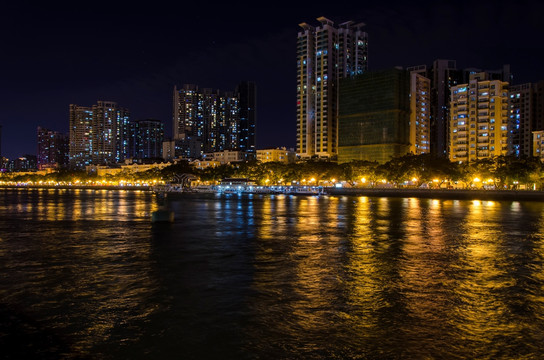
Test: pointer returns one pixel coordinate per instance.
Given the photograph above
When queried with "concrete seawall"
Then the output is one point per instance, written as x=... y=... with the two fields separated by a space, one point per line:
x=72 y=187
x=508 y=195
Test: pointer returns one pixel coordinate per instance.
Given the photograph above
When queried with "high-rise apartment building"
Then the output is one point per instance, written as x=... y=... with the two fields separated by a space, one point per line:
x=146 y=139
x=53 y=149
x=420 y=110
x=325 y=54
x=444 y=74
x=81 y=119
x=479 y=119
x=538 y=144
x=247 y=96
x=521 y=116
x=210 y=121
x=99 y=134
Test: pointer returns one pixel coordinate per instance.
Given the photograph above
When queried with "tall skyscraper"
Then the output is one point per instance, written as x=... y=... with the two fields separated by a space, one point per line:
x=81 y=119
x=374 y=119
x=53 y=149
x=443 y=74
x=99 y=135
x=248 y=116
x=479 y=119
x=325 y=54
x=211 y=121
x=521 y=114
x=146 y=139
x=420 y=110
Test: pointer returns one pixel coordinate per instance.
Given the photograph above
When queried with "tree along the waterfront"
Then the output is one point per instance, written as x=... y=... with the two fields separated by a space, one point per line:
x=501 y=172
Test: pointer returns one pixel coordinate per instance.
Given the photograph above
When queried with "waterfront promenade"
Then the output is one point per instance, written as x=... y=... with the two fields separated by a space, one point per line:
x=69 y=187
x=459 y=194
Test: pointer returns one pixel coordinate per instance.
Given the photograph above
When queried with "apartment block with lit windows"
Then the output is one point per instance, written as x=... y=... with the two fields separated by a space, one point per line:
x=146 y=139
x=479 y=119
x=521 y=118
x=282 y=155
x=420 y=110
x=206 y=120
x=325 y=54
x=52 y=149
x=538 y=144
x=99 y=134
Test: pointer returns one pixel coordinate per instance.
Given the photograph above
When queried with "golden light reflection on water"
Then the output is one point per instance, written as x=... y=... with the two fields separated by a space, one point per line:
x=429 y=268
x=93 y=278
x=387 y=278
x=78 y=204
x=484 y=274
x=308 y=241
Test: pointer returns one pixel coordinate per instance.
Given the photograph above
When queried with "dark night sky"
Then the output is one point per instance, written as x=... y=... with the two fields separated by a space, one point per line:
x=53 y=55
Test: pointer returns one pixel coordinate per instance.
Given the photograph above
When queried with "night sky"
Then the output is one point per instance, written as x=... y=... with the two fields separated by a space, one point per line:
x=80 y=52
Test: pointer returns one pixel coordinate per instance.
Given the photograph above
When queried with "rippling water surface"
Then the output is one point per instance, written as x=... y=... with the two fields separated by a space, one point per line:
x=86 y=275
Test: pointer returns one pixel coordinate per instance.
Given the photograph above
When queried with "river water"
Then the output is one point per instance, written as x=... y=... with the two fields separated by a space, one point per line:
x=86 y=275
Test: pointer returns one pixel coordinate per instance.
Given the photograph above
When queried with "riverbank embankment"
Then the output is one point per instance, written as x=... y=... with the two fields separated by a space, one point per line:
x=456 y=194
x=453 y=194
x=81 y=187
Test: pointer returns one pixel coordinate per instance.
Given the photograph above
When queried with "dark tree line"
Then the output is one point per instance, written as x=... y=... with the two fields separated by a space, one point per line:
x=501 y=172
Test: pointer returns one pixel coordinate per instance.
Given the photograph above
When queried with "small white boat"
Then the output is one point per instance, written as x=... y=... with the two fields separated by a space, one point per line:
x=203 y=189
x=304 y=190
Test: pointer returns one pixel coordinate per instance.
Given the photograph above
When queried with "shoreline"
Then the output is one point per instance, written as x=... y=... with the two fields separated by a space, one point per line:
x=450 y=194
x=78 y=187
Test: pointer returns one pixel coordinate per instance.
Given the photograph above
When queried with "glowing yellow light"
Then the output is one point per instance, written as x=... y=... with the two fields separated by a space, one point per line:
x=363 y=180
x=414 y=179
x=476 y=179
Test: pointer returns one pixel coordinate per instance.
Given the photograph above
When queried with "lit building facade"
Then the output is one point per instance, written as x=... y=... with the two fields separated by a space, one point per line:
x=538 y=144
x=146 y=140
x=53 y=149
x=226 y=156
x=99 y=134
x=479 y=119
x=325 y=54
x=23 y=163
x=521 y=119
x=214 y=120
x=420 y=110
x=282 y=155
